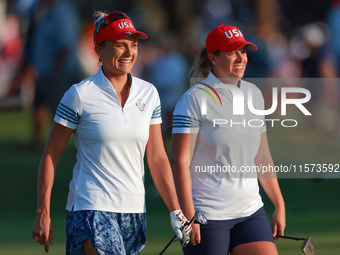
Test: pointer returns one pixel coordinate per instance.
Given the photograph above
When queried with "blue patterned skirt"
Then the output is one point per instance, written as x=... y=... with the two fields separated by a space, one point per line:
x=109 y=233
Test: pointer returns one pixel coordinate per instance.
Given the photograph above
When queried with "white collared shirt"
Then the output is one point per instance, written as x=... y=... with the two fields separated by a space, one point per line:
x=226 y=145
x=110 y=141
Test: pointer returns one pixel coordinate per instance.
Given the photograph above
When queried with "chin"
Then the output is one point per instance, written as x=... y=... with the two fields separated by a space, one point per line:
x=239 y=75
x=125 y=71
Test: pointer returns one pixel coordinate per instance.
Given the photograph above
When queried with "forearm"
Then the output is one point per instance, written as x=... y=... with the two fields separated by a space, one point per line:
x=268 y=179
x=162 y=176
x=272 y=189
x=183 y=186
x=45 y=183
x=270 y=184
x=182 y=150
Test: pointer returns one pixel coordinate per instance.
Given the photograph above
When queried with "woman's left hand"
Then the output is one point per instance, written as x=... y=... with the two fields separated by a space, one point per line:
x=279 y=223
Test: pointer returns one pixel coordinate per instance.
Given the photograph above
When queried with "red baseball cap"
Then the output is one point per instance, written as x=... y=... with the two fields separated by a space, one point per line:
x=226 y=38
x=113 y=29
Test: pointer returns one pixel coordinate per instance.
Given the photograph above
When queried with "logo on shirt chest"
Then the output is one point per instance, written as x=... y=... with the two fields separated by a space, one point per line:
x=140 y=105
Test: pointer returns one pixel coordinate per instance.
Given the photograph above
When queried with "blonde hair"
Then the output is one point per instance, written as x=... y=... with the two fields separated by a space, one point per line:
x=98 y=17
x=202 y=65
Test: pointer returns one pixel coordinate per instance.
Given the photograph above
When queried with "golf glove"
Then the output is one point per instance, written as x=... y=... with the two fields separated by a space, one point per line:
x=181 y=226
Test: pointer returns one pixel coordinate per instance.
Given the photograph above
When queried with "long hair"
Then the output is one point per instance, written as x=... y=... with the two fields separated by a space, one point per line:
x=201 y=65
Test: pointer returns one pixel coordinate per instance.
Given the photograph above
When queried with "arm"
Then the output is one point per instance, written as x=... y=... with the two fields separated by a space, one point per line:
x=181 y=158
x=160 y=168
x=42 y=230
x=271 y=186
x=162 y=176
x=182 y=150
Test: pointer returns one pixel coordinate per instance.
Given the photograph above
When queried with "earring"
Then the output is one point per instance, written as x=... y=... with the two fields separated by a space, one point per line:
x=100 y=62
x=214 y=63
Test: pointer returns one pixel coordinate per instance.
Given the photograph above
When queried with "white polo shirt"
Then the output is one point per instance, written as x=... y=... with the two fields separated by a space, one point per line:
x=110 y=142
x=226 y=146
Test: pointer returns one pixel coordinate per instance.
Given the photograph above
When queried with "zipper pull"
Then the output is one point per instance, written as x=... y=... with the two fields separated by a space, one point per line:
x=123 y=110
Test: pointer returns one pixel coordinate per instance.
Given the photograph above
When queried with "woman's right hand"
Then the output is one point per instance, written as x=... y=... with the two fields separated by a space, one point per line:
x=42 y=231
x=195 y=237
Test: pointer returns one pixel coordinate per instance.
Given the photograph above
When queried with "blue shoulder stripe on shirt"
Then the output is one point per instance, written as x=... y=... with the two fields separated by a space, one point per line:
x=66 y=118
x=157 y=112
x=175 y=122
x=62 y=114
x=184 y=126
x=155 y=116
x=69 y=110
x=66 y=113
x=183 y=118
x=182 y=121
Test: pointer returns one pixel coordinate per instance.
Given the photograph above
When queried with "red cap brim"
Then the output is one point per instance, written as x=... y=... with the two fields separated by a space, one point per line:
x=117 y=30
x=122 y=35
x=235 y=46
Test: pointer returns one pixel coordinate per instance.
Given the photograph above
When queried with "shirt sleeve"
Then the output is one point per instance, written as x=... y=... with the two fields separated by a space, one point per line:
x=68 y=111
x=186 y=116
x=156 y=114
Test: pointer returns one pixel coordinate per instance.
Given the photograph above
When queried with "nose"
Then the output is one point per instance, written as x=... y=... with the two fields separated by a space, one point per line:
x=128 y=51
x=240 y=56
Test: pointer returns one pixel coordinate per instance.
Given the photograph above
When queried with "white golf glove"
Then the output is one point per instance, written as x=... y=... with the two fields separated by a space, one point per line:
x=181 y=226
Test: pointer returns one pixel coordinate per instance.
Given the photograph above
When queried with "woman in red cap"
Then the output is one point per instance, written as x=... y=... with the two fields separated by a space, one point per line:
x=218 y=156
x=115 y=119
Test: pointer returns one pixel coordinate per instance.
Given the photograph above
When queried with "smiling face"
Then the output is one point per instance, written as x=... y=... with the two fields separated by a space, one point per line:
x=118 y=57
x=230 y=65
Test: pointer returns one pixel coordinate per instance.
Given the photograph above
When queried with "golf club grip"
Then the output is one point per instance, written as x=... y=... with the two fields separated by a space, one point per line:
x=166 y=247
x=186 y=224
x=292 y=238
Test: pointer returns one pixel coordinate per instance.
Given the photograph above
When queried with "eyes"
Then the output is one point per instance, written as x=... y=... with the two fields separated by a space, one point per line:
x=234 y=53
x=125 y=45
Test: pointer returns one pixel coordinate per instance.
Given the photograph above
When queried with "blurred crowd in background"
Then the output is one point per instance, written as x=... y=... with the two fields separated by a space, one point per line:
x=50 y=42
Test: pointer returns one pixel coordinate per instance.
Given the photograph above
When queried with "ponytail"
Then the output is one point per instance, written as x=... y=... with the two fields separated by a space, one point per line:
x=201 y=66
x=99 y=20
